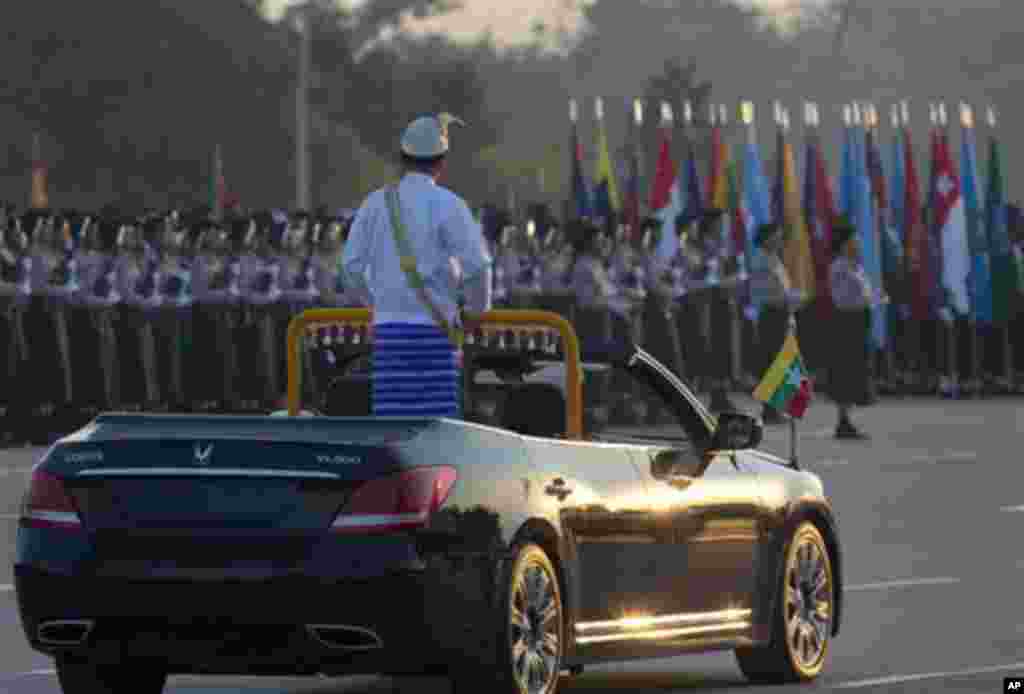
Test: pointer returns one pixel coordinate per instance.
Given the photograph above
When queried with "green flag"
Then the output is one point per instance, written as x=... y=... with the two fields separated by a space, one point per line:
x=1005 y=273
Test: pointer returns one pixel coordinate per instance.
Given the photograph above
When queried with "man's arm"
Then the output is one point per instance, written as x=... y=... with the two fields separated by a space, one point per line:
x=355 y=257
x=465 y=241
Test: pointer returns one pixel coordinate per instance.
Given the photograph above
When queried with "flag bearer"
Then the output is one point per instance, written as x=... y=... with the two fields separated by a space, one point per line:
x=850 y=350
x=771 y=291
x=400 y=250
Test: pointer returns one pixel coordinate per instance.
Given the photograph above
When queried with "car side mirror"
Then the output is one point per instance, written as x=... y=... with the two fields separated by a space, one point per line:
x=737 y=431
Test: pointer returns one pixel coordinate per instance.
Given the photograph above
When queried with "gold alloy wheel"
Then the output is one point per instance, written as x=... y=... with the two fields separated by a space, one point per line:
x=808 y=602
x=535 y=624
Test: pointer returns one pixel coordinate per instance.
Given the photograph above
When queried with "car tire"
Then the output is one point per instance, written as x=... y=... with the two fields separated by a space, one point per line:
x=801 y=632
x=530 y=628
x=77 y=677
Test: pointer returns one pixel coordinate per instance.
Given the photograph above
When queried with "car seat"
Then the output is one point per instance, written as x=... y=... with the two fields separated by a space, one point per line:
x=535 y=409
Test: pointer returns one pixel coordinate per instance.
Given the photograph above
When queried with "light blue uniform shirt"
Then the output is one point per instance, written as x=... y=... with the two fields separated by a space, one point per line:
x=448 y=244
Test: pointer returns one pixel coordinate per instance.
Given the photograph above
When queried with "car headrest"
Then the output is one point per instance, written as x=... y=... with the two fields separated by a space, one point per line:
x=535 y=409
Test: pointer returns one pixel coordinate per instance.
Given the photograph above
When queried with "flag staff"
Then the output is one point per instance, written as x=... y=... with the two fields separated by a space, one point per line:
x=1008 y=365
x=794 y=438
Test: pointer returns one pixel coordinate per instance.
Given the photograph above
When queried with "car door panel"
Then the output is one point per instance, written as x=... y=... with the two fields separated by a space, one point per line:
x=707 y=564
x=604 y=519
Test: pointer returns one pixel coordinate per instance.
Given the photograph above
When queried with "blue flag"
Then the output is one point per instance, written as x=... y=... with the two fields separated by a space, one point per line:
x=980 y=279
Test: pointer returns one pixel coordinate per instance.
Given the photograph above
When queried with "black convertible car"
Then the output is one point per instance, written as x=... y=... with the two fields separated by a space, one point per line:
x=503 y=554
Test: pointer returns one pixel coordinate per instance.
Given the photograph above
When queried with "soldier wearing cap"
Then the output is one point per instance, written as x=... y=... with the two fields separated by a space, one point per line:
x=851 y=356
x=400 y=253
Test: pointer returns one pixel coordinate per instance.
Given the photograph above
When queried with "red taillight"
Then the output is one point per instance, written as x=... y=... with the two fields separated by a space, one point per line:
x=47 y=504
x=403 y=501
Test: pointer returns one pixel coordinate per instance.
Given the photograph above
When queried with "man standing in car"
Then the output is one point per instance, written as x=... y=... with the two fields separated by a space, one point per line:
x=411 y=246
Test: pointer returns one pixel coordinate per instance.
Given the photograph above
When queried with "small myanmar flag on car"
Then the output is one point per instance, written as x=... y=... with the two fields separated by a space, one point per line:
x=786 y=387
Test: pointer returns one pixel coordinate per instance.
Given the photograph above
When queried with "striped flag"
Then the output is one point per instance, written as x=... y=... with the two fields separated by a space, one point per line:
x=606 y=190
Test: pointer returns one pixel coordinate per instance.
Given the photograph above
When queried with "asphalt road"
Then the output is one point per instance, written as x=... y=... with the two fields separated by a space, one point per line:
x=931 y=512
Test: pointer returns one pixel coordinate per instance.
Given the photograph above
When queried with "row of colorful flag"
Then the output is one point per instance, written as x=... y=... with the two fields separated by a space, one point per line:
x=940 y=251
x=219 y=197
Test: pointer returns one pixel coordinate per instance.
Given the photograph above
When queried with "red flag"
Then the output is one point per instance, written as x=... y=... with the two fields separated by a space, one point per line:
x=914 y=235
x=664 y=174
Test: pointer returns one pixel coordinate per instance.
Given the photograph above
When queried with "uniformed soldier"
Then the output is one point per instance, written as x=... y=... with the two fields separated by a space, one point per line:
x=660 y=319
x=216 y=290
x=138 y=276
x=264 y=296
x=852 y=296
x=15 y=295
x=719 y=309
x=100 y=299
x=54 y=283
x=400 y=250
x=175 y=283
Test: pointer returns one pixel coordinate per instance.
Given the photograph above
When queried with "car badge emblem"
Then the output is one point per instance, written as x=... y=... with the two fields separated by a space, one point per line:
x=203 y=455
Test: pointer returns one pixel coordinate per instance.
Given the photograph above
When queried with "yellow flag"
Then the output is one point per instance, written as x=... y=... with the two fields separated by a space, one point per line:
x=797 y=252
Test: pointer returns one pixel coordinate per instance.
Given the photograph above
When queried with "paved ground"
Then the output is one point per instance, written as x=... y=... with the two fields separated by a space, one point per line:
x=932 y=520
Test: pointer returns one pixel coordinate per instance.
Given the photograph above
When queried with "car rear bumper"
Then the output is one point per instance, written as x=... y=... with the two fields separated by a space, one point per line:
x=414 y=621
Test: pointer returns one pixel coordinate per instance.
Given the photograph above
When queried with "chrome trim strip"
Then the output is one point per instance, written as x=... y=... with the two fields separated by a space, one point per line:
x=204 y=472
x=627 y=623
x=653 y=634
x=368 y=520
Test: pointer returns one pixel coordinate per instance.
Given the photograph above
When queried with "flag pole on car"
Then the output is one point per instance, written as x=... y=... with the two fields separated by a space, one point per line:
x=786 y=387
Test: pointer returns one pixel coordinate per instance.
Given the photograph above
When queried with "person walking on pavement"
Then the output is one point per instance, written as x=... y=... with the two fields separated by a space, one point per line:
x=850 y=352
x=400 y=255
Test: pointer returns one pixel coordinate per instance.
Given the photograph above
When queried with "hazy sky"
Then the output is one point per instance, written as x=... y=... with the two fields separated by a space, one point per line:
x=510 y=20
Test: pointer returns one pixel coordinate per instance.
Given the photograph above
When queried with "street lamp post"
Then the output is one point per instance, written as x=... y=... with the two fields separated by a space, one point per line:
x=302 y=169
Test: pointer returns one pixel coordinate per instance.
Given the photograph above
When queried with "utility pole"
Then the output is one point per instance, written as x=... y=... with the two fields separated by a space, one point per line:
x=302 y=126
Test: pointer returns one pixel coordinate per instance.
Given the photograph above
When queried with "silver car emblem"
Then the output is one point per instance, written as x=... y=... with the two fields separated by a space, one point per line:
x=203 y=456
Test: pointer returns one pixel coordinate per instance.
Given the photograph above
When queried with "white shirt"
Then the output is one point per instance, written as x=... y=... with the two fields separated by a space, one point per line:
x=441 y=229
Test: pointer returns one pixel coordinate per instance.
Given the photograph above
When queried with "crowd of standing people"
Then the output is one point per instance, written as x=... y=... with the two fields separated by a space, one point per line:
x=184 y=312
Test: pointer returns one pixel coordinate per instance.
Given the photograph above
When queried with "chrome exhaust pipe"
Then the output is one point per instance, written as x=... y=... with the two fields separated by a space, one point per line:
x=344 y=637
x=65 y=632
